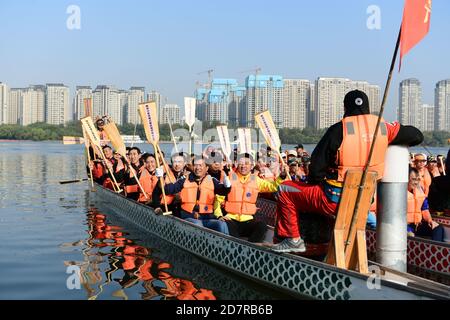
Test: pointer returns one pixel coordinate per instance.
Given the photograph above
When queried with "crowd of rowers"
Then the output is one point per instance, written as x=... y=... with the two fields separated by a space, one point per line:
x=221 y=194
x=206 y=190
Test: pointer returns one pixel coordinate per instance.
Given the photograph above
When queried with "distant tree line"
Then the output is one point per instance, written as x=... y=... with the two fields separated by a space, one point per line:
x=44 y=131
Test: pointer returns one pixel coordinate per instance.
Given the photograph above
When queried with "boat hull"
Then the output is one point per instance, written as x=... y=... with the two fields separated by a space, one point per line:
x=297 y=276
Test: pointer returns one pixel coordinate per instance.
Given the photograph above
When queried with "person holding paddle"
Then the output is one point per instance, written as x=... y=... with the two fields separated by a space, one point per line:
x=239 y=206
x=102 y=171
x=197 y=193
x=344 y=146
x=131 y=184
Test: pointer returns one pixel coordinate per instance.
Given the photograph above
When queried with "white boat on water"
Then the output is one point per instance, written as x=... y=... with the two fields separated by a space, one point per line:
x=132 y=139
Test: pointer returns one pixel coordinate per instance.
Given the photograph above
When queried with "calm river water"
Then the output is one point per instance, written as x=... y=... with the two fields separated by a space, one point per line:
x=49 y=230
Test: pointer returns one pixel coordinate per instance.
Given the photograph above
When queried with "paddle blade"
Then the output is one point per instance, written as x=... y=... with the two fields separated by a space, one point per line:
x=245 y=140
x=189 y=109
x=115 y=138
x=149 y=118
x=91 y=130
x=224 y=138
x=268 y=129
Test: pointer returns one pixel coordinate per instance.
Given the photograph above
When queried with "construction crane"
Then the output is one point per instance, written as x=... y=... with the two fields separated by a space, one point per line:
x=210 y=72
x=256 y=70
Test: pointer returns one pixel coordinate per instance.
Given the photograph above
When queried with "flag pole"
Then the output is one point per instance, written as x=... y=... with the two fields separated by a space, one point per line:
x=372 y=146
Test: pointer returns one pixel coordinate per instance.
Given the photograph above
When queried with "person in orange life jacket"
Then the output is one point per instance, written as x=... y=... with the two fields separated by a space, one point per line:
x=131 y=186
x=102 y=170
x=240 y=203
x=419 y=218
x=420 y=163
x=197 y=194
x=177 y=170
x=147 y=177
x=345 y=145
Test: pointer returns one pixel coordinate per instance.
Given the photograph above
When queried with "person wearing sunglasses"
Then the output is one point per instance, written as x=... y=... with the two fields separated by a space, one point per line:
x=420 y=163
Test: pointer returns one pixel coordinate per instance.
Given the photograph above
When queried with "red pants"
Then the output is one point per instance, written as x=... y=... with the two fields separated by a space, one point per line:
x=295 y=197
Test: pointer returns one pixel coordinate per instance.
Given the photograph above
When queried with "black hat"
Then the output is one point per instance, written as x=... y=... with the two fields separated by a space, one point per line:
x=356 y=102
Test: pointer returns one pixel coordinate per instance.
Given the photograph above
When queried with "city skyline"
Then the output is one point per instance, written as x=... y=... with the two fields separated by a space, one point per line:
x=294 y=103
x=174 y=48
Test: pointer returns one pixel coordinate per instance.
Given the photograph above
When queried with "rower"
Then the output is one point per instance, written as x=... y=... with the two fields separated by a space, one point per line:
x=419 y=218
x=197 y=194
x=240 y=204
x=344 y=146
x=102 y=171
x=420 y=163
x=147 y=177
x=172 y=174
x=215 y=165
x=131 y=185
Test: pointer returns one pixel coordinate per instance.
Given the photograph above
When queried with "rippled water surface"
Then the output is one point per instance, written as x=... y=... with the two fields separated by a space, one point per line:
x=47 y=229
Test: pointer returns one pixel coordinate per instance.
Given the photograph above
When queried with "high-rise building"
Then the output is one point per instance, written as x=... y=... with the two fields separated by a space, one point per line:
x=264 y=92
x=136 y=95
x=123 y=104
x=156 y=97
x=329 y=100
x=15 y=105
x=427 y=117
x=372 y=92
x=329 y=94
x=170 y=112
x=219 y=99
x=33 y=105
x=410 y=102
x=296 y=97
x=442 y=105
x=57 y=110
x=201 y=104
x=82 y=93
x=106 y=101
x=311 y=113
x=4 y=103
x=237 y=106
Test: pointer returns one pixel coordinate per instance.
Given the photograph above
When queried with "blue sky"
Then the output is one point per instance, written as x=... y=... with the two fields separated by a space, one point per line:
x=162 y=45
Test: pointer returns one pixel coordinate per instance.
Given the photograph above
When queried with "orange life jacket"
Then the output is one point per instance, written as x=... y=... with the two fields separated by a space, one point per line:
x=357 y=138
x=148 y=183
x=415 y=202
x=205 y=201
x=242 y=197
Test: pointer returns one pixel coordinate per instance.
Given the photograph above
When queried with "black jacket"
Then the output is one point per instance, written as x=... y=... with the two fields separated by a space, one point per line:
x=324 y=155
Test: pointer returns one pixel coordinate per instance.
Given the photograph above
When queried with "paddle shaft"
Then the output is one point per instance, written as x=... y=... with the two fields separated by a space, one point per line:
x=190 y=141
x=136 y=178
x=173 y=137
x=109 y=171
x=372 y=146
x=442 y=165
x=161 y=179
x=283 y=164
x=166 y=166
x=89 y=159
x=73 y=181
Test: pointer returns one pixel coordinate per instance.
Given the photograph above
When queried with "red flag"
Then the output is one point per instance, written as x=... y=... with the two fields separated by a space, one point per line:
x=415 y=24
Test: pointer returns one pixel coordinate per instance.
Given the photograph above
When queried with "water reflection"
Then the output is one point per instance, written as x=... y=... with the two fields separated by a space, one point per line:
x=129 y=265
